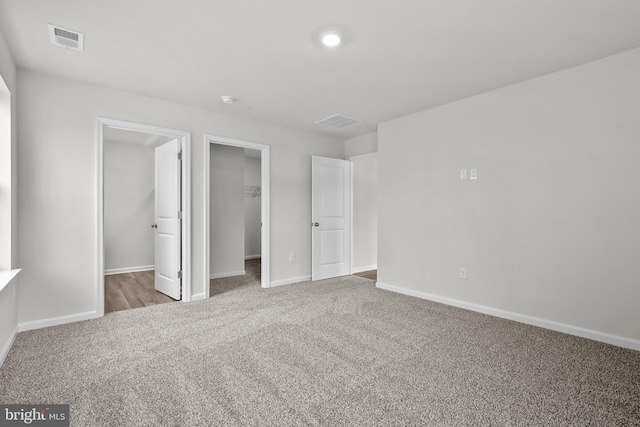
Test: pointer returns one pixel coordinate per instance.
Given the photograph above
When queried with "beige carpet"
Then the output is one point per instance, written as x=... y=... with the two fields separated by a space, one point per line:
x=335 y=352
x=251 y=280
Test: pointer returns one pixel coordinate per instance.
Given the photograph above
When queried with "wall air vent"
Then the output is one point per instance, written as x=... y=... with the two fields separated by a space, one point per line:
x=66 y=38
x=337 y=121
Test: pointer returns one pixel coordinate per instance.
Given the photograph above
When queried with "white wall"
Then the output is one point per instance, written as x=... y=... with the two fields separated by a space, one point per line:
x=365 y=212
x=227 y=210
x=550 y=229
x=8 y=199
x=252 y=209
x=363 y=144
x=57 y=120
x=129 y=189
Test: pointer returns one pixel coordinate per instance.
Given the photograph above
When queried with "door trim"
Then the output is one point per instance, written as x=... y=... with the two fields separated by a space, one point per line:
x=264 y=204
x=185 y=138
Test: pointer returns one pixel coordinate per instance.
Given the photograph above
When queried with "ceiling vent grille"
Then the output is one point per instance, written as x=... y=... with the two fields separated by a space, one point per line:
x=337 y=121
x=66 y=38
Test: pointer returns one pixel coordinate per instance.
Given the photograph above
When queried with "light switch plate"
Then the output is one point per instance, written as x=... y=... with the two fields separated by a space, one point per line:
x=463 y=174
x=473 y=174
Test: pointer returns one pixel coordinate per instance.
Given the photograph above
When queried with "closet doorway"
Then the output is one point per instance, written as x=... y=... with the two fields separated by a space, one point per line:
x=237 y=214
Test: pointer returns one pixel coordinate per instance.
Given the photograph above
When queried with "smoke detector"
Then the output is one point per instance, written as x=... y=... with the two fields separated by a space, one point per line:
x=227 y=99
x=66 y=38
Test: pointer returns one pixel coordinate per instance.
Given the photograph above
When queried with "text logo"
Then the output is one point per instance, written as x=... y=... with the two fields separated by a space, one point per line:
x=34 y=415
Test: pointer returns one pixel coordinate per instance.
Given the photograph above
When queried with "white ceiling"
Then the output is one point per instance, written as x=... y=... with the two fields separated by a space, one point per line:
x=402 y=56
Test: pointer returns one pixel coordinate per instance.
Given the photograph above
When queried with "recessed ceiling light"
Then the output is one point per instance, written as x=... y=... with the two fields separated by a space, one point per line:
x=331 y=39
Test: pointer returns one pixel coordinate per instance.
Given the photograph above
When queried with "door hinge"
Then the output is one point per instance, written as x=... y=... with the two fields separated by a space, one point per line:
x=180 y=274
x=180 y=155
x=180 y=215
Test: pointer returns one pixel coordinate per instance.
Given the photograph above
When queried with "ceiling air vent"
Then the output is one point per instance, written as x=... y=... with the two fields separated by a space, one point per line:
x=338 y=121
x=66 y=38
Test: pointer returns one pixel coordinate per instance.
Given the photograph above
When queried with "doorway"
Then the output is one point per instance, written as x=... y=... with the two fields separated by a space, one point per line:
x=365 y=215
x=130 y=186
x=237 y=198
x=129 y=212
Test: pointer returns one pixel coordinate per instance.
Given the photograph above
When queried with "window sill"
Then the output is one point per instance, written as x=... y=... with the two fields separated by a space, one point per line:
x=7 y=276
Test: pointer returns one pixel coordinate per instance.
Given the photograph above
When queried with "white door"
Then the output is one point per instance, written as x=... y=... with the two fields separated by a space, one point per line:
x=331 y=218
x=167 y=220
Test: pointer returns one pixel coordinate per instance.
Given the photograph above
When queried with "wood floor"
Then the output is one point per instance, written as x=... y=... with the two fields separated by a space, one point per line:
x=131 y=290
x=371 y=274
x=135 y=290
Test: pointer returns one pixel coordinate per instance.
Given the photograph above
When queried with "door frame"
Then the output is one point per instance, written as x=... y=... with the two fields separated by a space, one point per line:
x=185 y=141
x=264 y=204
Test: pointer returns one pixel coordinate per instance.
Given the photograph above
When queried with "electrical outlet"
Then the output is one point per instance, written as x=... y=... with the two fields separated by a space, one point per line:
x=292 y=257
x=473 y=174
x=463 y=273
x=463 y=174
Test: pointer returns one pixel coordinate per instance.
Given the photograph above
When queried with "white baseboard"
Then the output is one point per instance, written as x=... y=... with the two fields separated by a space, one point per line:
x=629 y=343
x=228 y=274
x=55 y=321
x=197 y=297
x=289 y=281
x=365 y=268
x=5 y=350
x=129 y=269
x=252 y=256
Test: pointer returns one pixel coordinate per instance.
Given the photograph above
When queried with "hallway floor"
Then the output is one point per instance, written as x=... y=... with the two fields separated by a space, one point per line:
x=131 y=290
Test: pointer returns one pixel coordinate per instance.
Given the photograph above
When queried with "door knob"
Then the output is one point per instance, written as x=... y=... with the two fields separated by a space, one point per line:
x=154 y=225
x=315 y=224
